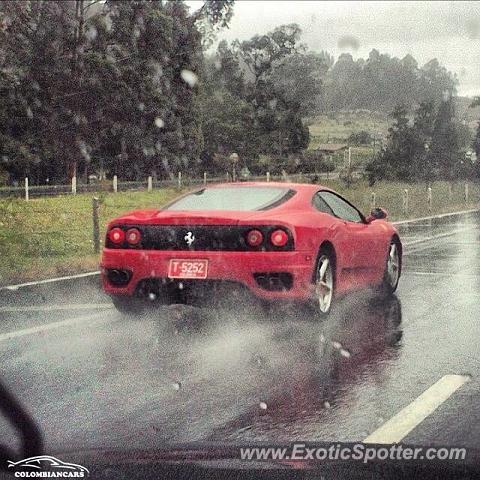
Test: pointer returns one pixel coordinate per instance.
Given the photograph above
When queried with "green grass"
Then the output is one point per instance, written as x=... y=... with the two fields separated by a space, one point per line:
x=337 y=128
x=53 y=236
x=46 y=237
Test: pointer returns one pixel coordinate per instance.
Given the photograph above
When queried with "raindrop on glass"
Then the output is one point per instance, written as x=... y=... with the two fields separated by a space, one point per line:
x=91 y=33
x=189 y=77
x=152 y=296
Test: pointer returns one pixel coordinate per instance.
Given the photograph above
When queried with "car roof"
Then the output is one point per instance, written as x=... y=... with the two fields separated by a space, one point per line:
x=304 y=187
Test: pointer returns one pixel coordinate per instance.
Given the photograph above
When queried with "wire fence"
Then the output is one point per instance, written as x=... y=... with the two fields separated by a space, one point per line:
x=27 y=190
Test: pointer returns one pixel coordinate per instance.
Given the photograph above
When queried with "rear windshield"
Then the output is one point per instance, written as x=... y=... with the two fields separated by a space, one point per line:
x=233 y=198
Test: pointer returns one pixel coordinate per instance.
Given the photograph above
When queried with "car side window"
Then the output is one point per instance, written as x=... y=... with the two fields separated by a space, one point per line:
x=340 y=207
x=320 y=204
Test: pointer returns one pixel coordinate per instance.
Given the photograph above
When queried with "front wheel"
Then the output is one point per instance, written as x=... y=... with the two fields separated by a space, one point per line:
x=324 y=283
x=393 y=268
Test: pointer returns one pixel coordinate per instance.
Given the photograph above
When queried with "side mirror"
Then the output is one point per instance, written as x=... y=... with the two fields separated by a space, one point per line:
x=377 y=214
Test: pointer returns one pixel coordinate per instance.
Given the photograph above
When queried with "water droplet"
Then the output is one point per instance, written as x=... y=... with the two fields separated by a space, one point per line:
x=159 y=123
x=91 y=33
x=263 y=405
x=189 y=77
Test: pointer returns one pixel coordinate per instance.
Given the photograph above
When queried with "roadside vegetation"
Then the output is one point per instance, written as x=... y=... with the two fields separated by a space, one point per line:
x=48 y=237
x=92 y=89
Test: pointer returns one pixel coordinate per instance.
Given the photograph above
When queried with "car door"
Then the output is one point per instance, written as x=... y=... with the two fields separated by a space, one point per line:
x=356 y=240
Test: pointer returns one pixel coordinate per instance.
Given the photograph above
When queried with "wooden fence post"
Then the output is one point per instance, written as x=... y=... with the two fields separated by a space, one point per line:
x=149 y=184
x=429 y=199
x=268 y=176
x=115 y=184
x=179 y=180
x=204 y=178
x=74 y=185
x=405 y=201
x=95 y=224
x=26 y=189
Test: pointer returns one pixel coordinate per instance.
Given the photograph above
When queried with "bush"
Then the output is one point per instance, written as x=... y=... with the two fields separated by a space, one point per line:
x=360 y=138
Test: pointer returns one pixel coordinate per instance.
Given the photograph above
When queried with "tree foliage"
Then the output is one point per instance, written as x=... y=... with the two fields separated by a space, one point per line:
x=426 y=147
x=127 y=88
x=110 y=85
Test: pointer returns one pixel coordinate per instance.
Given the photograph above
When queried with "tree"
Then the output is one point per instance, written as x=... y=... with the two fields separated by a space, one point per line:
x=476 y=141
x=423 y=127
x=88 y=84
x=395 y=161
x=256 y=93
x=445 y=151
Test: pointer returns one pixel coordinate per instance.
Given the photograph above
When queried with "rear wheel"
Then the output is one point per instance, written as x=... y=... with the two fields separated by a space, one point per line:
x=129 y=306
x=393 y=268
x=324 y=282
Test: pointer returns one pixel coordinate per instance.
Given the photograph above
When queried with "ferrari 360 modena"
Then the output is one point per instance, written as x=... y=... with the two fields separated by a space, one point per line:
x=279 y=241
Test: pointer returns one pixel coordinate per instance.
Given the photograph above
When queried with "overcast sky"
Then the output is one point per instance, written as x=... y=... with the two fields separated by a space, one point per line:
x=449 y=31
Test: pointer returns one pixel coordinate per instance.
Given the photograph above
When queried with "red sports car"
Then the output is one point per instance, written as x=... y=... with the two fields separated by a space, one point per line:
x=279 y=240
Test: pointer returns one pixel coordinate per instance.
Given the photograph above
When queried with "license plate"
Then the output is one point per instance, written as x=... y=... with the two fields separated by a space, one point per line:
x=187 y=268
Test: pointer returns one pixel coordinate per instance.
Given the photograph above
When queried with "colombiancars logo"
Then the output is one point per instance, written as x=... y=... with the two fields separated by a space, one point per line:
x=189 y=238
x=45 y=466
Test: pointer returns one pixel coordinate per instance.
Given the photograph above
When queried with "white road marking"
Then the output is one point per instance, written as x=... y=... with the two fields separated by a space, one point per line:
x=400 y=425
x=435 y=237
x=441 y=274
x=50 y=280
x=441 y=215
x=53 y=308
x=51 y=326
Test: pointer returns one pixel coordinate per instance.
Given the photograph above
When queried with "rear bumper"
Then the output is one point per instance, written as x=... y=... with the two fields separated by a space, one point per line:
x=239 y=267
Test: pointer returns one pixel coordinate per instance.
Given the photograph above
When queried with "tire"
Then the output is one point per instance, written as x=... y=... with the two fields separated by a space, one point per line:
x=128 y=306
x=324 y=281
x=393 y=268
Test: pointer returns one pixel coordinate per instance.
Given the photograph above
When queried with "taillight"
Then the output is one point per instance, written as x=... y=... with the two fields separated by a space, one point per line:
x=133 y=236
x=254 y=238
x=279 y=238
x=116 y=235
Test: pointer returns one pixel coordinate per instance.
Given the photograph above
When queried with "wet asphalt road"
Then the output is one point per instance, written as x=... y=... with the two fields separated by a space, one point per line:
x=101 y=380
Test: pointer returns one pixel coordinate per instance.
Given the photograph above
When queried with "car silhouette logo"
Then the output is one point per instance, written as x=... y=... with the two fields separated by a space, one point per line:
x=189 y=238
x=46 y=462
